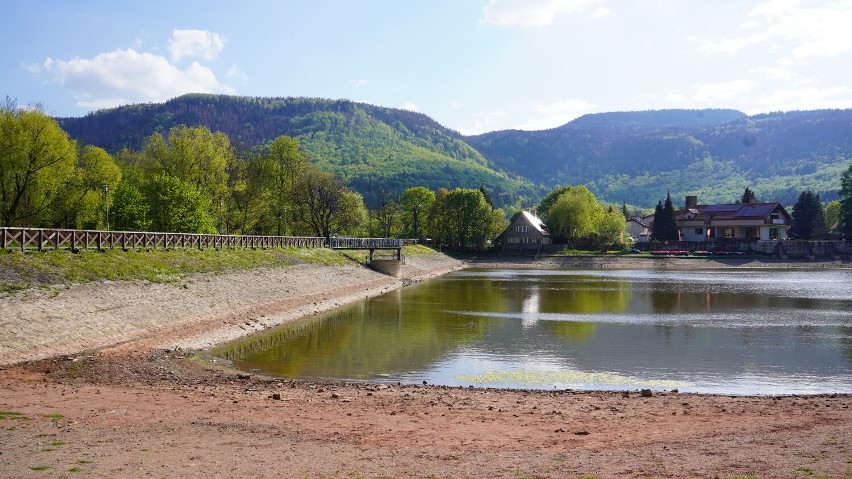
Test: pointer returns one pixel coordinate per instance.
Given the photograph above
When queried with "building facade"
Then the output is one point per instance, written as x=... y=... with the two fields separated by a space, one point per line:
x=739 y=222
x=526 y=231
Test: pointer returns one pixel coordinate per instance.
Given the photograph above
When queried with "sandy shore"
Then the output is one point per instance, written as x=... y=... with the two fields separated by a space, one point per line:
x=108 y=389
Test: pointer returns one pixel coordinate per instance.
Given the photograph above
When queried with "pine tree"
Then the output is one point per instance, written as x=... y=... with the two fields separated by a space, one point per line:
x=665 y=228
x=748 y=196
x=657 y=228
x=808 y=217
x=846 y=203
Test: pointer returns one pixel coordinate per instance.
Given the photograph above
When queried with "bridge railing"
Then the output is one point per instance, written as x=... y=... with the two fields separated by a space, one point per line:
x=365 y=243
x=24 y=239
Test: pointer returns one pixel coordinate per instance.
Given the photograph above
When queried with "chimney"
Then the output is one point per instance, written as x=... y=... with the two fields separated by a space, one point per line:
x=532 y=212
x=691 y=202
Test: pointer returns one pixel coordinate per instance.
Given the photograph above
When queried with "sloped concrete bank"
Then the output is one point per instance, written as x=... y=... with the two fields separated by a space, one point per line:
x=194 y=313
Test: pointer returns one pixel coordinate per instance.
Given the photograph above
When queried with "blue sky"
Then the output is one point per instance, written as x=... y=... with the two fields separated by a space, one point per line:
x=472 y=65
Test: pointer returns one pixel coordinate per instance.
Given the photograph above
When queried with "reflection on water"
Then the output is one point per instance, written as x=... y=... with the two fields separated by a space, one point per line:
x=737 y=332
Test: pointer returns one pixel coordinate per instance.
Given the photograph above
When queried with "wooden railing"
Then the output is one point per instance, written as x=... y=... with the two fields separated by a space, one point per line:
x=366 y=243
x=43 y=238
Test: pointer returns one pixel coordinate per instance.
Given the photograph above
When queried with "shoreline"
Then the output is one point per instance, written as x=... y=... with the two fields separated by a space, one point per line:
x=204 y=310
x=132 y=400
x=657 y=262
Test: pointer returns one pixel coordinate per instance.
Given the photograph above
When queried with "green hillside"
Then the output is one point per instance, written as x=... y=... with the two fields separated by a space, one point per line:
x=638 y=157
x=632 y=157
x=375 y=150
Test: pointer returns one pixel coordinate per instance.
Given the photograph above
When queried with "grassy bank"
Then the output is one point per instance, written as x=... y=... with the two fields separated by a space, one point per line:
x=20 y=271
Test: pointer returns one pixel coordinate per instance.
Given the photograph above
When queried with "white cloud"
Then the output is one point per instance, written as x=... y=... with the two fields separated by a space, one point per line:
x=538 y=13
x=410 y=107
x=805 y=99
x=359 y=82
x=717 y=93
x=127 y=76
x=195 y=44
x=776 y=73
x=456 y=104
x=557 y=113
x=484 y=122
x=814 y=29
x=237 y=73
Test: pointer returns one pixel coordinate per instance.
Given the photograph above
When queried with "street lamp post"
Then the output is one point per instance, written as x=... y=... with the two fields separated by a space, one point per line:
x=285 y=221
x=106 y=203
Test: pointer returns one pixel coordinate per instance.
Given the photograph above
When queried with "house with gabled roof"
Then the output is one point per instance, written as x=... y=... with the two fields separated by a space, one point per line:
x=737 y=221
x=639 y=228
x=526 y=231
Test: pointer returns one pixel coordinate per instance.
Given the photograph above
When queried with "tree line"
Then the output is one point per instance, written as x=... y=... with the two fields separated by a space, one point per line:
x=192 y=180
x=811 y=220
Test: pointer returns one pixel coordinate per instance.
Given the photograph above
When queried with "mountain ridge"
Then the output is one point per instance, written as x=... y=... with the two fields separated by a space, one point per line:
x=631 y=157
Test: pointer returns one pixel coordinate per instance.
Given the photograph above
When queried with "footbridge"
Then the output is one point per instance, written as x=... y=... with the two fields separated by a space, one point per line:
x=389 y=266
x=370 y=244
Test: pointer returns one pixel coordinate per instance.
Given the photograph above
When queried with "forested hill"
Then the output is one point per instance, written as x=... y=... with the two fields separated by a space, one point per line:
x=637 y=157
x=376 y=150
x=632 y=157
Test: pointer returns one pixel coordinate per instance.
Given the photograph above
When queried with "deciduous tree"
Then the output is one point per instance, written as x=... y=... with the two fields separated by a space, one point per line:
x=197 y=157
x=573 y=215
x=324 y=205
x=37 y=160
x=176 y=206
x=415 y=203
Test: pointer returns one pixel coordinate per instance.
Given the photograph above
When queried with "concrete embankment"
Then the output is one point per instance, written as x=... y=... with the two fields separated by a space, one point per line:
x=194 y=313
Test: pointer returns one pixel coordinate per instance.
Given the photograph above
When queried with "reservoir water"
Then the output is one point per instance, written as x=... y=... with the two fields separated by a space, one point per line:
x=760 y=331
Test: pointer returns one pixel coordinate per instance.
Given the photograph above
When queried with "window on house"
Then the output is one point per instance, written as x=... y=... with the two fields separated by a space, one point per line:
x=522 y=229
x=699 y=231
x=773 y=233
x=729 y=233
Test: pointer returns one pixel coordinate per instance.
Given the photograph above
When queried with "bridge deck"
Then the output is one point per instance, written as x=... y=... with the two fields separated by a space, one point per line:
x=365 y=243
x=371 y=244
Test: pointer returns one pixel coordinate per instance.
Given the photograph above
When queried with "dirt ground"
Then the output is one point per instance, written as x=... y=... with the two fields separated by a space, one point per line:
x=111 y=389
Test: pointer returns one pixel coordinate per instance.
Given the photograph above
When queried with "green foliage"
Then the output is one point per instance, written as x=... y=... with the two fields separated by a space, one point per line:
x=832 y=216
x=846 y=203
x=635 y=157
x=175 y=206
x=748 y=196
x=159 y=266
x=665 y=228
x=415 y=204
x=37 y=159
x=573 y=213
x=808 y=217
x=371 y=148
x=463 y=218
x=324 y=206
x=573 y=216
x=130 y=209
x=196 y=156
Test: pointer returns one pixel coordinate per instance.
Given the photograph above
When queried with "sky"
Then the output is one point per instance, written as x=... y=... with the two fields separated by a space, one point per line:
x=472 y=65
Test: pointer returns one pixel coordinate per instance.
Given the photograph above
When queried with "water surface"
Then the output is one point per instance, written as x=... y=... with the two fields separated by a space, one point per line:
x=720 y=331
